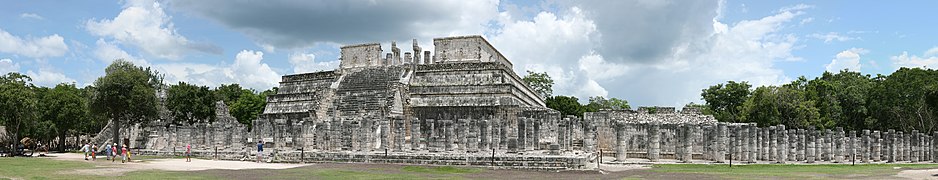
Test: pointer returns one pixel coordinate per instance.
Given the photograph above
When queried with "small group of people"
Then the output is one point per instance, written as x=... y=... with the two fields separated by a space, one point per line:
x=109 y=150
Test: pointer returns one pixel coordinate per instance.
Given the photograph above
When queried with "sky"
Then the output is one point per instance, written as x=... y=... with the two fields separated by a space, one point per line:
x=649 y=52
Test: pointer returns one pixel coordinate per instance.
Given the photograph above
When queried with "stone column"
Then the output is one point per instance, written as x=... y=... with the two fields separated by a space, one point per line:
x=688 y=139
x=898 y=146
x=415 y=134
x=934 y=147
x=811 y=143
x=742 y=136
x=773 y=144
x=432 y=135
x=800 y=145
x=462 y=130
x=865 y=146
x=450 y=134
x=852 y=146
x=426 y=57
x=720 y=151
x=891 y=143
x=766 y=143
x=753 y=139
x=473 y=138
x=485 y=127
x=876 y=147
x=914 y=146
x=653 y=142
x=782 y=144
x=838 y=145
x=826 y=145
x=620 y=141
x=792 y=145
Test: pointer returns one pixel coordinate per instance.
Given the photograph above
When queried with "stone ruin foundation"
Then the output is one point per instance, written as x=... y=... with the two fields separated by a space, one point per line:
x=464 y=105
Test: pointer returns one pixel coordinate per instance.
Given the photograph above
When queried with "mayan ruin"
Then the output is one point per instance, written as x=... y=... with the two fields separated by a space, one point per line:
x=463 y=105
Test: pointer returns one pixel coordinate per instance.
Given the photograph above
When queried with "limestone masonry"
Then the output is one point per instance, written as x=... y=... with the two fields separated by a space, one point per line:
x=464 y=105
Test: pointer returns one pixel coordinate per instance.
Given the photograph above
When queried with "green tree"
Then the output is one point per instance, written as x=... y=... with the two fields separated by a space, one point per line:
x=190 y=103
x=18 y=104
x=567 y=105
x=65 y=107
x=229 y=93
x=598 y=102
x=248 y=107
x=540 y=83
x=724 y=100
x=126 y=94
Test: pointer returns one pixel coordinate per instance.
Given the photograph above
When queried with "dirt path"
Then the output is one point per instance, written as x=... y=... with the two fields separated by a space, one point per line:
x=108 y=168
x=919 y=174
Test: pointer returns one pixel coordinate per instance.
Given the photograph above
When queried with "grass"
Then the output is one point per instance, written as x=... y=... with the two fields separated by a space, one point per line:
x=439 y=170
x=818 y=171
x=39 y=168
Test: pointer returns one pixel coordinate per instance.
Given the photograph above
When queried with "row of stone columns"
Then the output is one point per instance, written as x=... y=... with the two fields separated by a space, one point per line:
x=749 y=143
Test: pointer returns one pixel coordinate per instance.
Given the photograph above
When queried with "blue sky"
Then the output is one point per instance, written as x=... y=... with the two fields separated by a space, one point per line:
x=650 y=52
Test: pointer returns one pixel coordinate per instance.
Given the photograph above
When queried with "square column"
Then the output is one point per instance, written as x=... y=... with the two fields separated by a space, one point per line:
x=415 y=132
x=811 y=145
x=865 y=146
x=653 y=142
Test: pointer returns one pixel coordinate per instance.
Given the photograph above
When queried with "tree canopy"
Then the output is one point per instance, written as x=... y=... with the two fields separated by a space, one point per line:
x=126 y=94
x=65 y=107
x=905 y=100
x=18 y=104
x=189 y=103
x=541 y=83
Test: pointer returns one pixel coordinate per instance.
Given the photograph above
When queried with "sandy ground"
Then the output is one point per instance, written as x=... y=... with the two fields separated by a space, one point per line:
x=919 y=174
x=108 y=168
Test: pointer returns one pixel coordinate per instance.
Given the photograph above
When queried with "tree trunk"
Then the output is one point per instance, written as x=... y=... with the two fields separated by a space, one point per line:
x=62 y=140
x=115 y=131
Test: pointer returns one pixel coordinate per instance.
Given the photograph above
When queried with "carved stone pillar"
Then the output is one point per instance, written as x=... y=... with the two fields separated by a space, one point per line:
x=654 y=142
x=782 y=144
x=688 y=138
x=753 y=138
x=914 y=146
x=620 y=141
x=800 y=145
x=865 y=146
x=891 y=142
x=811 y=143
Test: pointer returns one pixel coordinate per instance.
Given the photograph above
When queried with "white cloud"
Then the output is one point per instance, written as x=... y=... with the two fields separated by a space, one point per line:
x=929 y=60
x=31 y=16
x=932 y=52
x=695 y=56
x=832 y=36
x=547 y=43
x=247 y=70
x=7 y=66
x=304 y=63
x=108 y=52
x=797 y=7
x=49 y=46
x=848 y=59
x=48 y=78
x=145 y=25
x=290 y=24
x=806 y=20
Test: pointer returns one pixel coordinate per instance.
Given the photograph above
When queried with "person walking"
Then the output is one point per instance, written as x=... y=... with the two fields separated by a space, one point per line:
x=260 y=150
x=84 y=149
x=107 y=151
x=94 y=149
x=123 y=153
x=188 y=152
x=114 y=152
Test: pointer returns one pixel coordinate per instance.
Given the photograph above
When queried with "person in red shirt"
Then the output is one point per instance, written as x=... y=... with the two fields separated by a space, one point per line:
x=188 y=152
x=123 y=153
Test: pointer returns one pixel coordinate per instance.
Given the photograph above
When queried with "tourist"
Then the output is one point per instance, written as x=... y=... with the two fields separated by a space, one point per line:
x=128 y=154
x=94 y=148
x=84 y=149
x=123 y=153
x=260 y=150
x=114 y=152
x=107 y=150
x=188 y=152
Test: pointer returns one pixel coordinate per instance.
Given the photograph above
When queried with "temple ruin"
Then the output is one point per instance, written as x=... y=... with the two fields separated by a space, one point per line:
x=463 y=104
